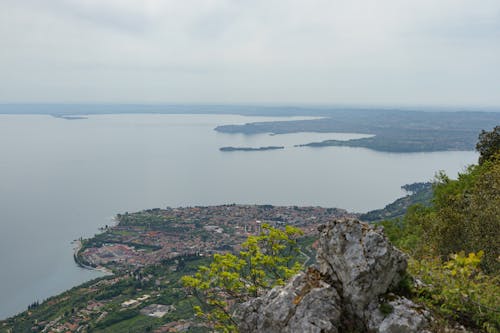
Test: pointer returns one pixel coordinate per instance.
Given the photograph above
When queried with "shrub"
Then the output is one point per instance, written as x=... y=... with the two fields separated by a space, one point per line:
x=458 y=289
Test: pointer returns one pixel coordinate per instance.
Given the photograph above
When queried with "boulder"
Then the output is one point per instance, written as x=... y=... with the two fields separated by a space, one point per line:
x=305 y=304
x=357 y=268
x=361 y=260
x=403 y=316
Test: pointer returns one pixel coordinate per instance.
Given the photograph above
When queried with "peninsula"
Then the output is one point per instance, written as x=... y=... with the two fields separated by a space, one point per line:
x=391 y=130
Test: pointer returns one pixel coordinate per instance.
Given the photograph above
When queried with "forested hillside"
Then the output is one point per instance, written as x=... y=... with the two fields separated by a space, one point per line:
x=454 y=242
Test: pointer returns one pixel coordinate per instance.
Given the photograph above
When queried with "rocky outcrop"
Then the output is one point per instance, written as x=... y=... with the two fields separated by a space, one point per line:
x=350 y=291
x=301 y=304
x=401 y=315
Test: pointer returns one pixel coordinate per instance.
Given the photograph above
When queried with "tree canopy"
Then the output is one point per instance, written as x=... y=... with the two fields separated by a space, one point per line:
x=488 y=144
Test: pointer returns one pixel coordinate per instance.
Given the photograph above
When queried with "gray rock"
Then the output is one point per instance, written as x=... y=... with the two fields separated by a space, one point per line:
x=357 y=265
x=405 y=316
x=297 y=307
x=361 y=259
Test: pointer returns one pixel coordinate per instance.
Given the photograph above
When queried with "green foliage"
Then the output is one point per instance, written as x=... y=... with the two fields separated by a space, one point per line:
x=117 y=317
x=465 y=216
x=263 y=262
x=488 y=144
x=404 y=287
x=460 y=290
x=413 y=232
x=386 y=309
x=467 y=213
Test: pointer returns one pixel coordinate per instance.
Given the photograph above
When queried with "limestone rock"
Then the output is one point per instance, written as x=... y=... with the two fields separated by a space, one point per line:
x=361 y=259
x=357 y=265
x=302 y=305
x=405 y=316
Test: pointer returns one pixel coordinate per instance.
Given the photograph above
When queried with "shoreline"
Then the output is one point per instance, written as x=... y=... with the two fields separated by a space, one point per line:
x=76 y=250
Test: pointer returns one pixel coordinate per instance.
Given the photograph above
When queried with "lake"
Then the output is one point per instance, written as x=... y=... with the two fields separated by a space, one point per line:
x=62 y=179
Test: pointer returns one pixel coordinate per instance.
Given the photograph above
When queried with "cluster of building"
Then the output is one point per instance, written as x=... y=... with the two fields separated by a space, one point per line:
x=159 y=234
x=116 y=253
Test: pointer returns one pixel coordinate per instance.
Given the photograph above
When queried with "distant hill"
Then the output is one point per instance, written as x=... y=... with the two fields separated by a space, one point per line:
x=246 y=110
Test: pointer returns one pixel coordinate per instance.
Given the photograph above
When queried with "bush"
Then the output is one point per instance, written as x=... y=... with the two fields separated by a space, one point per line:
x=458 y=289
x=464 y=216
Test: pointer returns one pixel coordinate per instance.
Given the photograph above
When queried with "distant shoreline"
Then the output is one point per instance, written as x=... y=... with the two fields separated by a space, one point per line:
x=241 y=109
x=229 y=149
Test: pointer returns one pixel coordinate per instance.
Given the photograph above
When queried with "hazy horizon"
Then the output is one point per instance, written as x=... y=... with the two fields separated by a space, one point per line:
x=299 y=106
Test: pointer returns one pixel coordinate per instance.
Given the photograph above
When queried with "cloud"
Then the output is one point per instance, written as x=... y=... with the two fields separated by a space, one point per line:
x=315 y=51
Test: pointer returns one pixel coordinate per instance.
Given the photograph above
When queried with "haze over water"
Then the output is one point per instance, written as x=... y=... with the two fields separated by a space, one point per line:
x=62 y=179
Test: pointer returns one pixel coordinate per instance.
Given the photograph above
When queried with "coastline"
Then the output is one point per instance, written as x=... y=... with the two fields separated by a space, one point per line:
x=76 y=250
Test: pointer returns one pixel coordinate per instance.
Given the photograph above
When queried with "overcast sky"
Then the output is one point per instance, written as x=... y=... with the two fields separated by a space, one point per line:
x=386 y=52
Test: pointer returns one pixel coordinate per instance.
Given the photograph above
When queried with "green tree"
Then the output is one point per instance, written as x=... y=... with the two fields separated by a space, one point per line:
x=467 y=213
x=263 y=262
x=488 y=144
x=414 y=232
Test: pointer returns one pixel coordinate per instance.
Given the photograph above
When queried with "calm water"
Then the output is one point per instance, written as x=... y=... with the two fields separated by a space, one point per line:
x=62 y=179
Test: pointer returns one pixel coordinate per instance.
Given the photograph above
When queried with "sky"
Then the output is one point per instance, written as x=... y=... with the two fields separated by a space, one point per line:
x=371 y=52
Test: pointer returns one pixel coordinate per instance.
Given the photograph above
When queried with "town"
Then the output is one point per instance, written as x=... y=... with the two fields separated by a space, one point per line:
x=150 y=236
